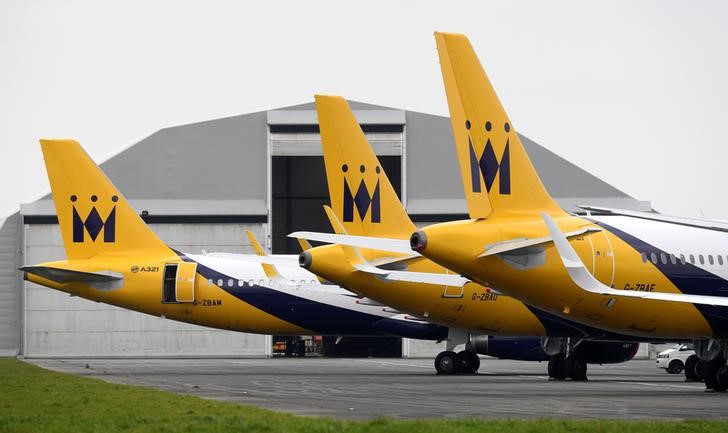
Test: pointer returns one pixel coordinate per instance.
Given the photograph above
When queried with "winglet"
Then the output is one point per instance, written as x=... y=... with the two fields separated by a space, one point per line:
x=335 y=222
x=304 y=244
x=568 y=256
x=353 y=255
x=270 y=270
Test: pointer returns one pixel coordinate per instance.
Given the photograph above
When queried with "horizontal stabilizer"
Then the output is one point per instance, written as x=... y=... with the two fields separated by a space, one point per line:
x=70 y=276
x=586 y=281
x=690 y=222
x=517 y=244
x=382 y=244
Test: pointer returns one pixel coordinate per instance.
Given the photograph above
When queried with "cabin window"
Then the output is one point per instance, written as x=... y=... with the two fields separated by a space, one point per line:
x=210 y=282
x=673 y=259
x=682 y=259
x=720 y=259
x=692 y=259
x=644 y=257
x=219 y=282
x=663 y=258
x=241 y=283
x=710 y=259
x=653 y=257
x=702 y=260
x=262 y=282
x=230 y=282
x=251 y=282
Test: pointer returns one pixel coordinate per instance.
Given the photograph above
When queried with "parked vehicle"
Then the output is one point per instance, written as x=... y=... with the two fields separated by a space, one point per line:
x=675 y=359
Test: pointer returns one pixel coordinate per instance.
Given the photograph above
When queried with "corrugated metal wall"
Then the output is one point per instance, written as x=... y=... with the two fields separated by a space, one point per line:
x=9 y=283
x=59 y=325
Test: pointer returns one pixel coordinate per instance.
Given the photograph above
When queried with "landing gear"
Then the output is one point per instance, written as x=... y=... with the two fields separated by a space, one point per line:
x=556 y=367
x=692 y=374
x=469 y=362
x=712 y=365
x=449 y=362
x=565 y=361
x=578 y=368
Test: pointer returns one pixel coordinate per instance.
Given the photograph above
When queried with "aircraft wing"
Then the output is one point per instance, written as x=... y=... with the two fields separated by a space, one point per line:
x=586 y=281
x=437 y=279
x=382 y=244
x=291 y=261
x=63 y=276
x=428 y=278
x=690 y=222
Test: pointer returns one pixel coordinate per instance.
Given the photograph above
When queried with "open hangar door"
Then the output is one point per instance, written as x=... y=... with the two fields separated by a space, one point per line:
x=298 y=191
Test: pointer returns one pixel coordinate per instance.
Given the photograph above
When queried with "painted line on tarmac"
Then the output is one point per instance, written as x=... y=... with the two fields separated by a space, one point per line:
x=399 y=364
x=663 y=385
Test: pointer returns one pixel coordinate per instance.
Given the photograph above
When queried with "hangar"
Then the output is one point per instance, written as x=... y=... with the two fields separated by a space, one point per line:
x=200 y=186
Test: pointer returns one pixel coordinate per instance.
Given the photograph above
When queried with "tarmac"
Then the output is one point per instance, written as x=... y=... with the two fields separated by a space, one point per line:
x=409 y=388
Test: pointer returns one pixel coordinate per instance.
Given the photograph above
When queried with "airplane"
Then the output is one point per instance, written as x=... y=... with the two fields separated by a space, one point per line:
x=366 y=204
x=635 y=273
x=113 y=257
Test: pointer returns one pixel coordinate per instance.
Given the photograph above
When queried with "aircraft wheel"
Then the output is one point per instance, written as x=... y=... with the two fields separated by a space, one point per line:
x=721 y=379
x=691 y=369
x=469 y=362
x=675 y=367
x=578 y=369
x=447 y=362
x=709 y=371
x=556 y=367
x=476 y=361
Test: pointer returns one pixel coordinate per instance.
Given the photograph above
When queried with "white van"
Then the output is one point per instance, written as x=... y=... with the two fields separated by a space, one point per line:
x=673 y=360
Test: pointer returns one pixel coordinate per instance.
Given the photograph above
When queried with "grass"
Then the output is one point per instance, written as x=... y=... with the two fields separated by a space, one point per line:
x=37 y=400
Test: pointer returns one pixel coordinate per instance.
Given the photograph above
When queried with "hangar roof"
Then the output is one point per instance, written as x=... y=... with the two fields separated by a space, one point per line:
x=219 y=167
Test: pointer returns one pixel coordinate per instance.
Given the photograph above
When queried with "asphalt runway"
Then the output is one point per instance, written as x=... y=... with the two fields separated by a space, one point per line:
x=409 y=388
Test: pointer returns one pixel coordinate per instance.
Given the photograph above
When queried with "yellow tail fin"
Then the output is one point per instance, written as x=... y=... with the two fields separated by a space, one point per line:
x=497 y=174
x=360 y=192
x=94 y=217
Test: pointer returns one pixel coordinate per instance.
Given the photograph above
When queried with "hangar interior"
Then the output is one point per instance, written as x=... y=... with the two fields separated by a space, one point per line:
x=200 y=186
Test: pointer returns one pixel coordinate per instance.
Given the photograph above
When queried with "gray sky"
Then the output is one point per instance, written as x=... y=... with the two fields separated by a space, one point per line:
x=632 y=91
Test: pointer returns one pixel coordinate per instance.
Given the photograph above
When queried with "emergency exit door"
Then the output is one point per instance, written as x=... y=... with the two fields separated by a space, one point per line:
x=179 y=282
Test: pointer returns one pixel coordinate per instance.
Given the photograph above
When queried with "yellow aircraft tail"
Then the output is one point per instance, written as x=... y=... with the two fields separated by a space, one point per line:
x=361 y=195
x=93 y=216
x=497 y=174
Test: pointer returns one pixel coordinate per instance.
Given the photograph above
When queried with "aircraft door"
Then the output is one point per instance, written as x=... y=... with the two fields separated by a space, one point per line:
x=179 y=282
x=186 y=272
x=602 y=258
x=453 y=291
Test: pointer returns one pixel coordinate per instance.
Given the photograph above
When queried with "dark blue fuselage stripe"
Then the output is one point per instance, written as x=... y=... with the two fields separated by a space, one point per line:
x=315 y=316
x=688 y=278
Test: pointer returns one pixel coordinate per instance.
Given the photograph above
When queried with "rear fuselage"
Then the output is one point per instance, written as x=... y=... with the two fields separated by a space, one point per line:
x=627 y=253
